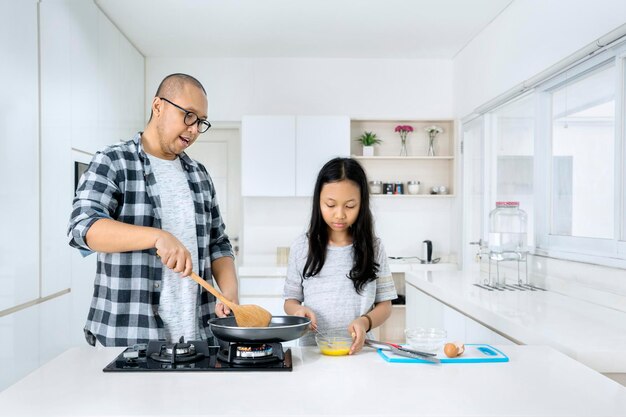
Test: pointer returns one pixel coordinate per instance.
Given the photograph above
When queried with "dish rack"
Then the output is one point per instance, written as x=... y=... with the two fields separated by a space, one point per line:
x=498 y=283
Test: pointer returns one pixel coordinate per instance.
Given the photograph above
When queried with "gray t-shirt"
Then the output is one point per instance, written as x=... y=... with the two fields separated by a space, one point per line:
x=178 y=304
x=331 y=294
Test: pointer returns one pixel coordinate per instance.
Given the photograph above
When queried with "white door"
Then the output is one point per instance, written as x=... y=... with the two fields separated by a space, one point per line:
x=219 y=150
x=473 y=191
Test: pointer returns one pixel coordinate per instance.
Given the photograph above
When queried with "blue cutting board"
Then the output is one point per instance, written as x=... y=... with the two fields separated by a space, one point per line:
x=474 y=353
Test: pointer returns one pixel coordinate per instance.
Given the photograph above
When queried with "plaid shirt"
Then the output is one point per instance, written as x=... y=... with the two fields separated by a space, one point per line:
x=120 y=184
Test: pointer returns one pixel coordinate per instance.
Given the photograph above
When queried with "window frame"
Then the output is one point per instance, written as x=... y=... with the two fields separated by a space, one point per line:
x=610 y=252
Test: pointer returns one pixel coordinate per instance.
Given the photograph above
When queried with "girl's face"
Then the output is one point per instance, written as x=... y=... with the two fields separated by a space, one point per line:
x=340 y=203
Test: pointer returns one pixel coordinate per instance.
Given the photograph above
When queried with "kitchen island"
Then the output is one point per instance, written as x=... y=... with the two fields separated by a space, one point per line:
x=537 y=381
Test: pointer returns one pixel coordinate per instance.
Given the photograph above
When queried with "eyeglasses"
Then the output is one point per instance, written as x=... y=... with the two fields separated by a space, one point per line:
x=191 y=118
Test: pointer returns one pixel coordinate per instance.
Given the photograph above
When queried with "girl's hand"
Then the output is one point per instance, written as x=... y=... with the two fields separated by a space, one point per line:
x=303 y=311
x=358 y=330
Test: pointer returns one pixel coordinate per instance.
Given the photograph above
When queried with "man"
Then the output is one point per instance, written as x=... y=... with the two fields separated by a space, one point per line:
x=143 y=204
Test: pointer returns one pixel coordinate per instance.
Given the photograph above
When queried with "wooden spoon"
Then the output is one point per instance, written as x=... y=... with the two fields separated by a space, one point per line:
x=247 y=315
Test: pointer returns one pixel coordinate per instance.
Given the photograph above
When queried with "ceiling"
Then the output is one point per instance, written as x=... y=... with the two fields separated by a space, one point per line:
x=394 y=29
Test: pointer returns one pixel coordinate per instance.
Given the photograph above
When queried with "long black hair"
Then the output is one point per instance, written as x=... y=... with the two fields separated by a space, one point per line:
x=364 y=267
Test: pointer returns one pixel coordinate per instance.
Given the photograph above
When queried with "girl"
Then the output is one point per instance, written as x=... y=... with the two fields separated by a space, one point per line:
x=338 y=275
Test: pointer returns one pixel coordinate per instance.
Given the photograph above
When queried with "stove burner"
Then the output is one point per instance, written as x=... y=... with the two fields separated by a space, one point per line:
x=174 y=353
x=182 y=349
x=251 y=354
x=254 y=351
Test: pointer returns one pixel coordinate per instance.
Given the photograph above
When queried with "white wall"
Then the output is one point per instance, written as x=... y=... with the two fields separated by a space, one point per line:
x=405 y=89
x=527 y=38
x=358 y=88
x=71 y=89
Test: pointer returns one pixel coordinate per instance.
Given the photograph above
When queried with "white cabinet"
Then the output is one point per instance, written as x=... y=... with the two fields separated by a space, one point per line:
x=281 y=155
x=423 y=310
x=263 y=289
x=84 y=59
x=267 y=156
x=318 y=140
x=19 y=155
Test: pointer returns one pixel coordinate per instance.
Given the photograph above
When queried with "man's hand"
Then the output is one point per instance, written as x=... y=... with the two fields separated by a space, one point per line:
x=174 y=254
x=221 y=309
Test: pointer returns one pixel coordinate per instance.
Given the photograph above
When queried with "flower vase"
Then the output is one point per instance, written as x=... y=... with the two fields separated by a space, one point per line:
x=403 y=151
x=431 y=145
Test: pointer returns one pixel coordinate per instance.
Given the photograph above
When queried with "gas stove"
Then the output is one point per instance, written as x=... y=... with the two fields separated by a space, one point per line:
x=201 y=355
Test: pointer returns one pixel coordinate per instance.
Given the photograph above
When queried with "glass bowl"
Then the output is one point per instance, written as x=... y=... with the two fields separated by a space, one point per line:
x=334 y=342
x=425 y=338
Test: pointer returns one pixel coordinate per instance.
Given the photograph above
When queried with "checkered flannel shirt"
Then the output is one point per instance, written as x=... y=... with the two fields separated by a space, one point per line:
x=119 y=184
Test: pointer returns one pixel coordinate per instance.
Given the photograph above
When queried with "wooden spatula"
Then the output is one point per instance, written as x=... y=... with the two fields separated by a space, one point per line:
x=247 y=315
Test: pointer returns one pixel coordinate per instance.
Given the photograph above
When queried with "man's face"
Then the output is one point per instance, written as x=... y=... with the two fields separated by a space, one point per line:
x=174 y=135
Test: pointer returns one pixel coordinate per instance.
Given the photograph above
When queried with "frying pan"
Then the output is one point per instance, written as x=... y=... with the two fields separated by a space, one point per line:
x=281 y=329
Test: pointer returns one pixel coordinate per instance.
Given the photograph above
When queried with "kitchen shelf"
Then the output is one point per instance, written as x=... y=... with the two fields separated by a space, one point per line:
x=400 y=158
x=411 y=195
x=388 y=167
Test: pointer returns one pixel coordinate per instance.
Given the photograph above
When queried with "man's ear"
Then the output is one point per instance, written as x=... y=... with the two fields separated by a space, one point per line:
x=157 y=106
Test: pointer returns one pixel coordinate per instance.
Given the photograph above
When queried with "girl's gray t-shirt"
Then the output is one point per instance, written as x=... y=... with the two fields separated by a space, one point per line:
x=330 y=293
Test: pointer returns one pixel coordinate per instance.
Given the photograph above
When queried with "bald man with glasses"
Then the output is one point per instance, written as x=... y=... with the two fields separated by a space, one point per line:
x=151 y=215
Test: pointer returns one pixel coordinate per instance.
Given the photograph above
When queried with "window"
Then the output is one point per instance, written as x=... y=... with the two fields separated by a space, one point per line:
x=560 y=151
x=513 y=135
x=582 y=191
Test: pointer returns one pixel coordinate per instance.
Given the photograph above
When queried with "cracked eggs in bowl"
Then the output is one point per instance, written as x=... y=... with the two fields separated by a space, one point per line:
x=334 y=342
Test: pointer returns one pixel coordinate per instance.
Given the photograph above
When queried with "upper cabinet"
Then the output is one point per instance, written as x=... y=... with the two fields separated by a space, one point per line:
x=281 y=155
x=318 y=139
x=268 y=149
x=389 y=167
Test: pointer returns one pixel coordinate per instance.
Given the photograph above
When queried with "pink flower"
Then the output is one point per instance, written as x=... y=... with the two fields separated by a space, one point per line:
x=404 y=128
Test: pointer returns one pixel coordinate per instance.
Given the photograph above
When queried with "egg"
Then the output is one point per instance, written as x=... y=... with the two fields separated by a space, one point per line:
x=452 y=350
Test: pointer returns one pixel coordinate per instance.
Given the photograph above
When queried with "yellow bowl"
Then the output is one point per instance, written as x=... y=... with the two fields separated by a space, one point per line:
x=334 y=343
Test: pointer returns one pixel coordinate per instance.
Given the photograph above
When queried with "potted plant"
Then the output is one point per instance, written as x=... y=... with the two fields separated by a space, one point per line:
x=368 y=140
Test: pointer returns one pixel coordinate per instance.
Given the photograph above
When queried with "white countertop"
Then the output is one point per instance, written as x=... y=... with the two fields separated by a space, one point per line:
x=590 y=333
x=538 y=381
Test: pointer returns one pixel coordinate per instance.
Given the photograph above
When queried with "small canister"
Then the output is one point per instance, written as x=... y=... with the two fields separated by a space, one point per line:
x=413 y=187
x=376 y=187
x=398 y=187
x=388 y=188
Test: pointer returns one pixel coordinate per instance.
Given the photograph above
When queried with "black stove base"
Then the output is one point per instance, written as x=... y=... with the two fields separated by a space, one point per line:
x=134 y=360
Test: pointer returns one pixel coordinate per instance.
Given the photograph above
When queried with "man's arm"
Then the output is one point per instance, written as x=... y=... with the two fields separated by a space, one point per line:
x=226 y=278
x=106 y=235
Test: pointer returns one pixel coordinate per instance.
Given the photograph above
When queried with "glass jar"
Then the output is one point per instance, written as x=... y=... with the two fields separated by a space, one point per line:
x=507 y=228
x=398 y=187
x=376 y=187
x=413 y=187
